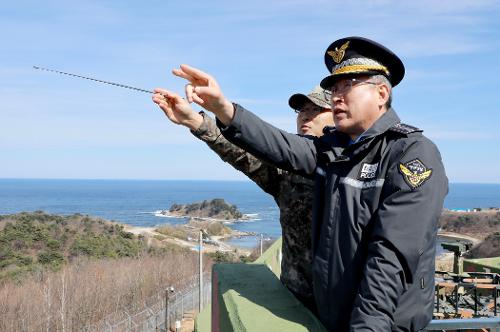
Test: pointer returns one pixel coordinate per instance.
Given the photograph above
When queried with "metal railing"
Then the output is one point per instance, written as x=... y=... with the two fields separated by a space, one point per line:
x=473 y=289
x=492 y=324
x=187 y=300
x=153 y=315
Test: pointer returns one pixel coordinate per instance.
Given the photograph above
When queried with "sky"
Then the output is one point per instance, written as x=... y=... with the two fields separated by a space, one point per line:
x=260 y=52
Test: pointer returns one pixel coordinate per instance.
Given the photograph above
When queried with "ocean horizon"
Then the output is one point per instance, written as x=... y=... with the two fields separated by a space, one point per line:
x=134 y=202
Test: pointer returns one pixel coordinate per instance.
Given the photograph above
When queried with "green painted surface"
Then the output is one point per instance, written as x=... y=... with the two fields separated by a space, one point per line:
x=202 y=320
x=491 y=265
x=251 y=298
x=272 y=257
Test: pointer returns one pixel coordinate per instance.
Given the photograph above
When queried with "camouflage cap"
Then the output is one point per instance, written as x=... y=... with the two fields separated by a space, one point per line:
x=317 y=96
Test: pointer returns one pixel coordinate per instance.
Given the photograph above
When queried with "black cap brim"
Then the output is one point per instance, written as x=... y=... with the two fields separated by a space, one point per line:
x=298 y=100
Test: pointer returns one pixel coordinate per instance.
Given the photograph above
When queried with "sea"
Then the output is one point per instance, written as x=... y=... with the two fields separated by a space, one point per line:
x=136 y=202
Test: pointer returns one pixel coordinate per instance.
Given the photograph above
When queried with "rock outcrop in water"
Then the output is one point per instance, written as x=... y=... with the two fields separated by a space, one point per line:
x=214 y=209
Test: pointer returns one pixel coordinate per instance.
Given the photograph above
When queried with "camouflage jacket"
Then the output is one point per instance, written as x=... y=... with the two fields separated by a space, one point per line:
x=292 y=193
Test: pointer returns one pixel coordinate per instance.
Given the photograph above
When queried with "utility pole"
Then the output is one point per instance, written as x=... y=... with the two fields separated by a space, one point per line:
x=201 y=272
x=261 y=243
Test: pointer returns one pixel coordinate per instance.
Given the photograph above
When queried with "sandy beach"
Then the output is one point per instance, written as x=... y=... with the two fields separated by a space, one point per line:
x=456 y=236
x=218 y=245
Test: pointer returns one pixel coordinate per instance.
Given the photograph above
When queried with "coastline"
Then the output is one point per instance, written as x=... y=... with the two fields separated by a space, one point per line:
x=444 y=261
x=168 y=214
x=219 y=244
x=216 y=243
x=458 y=237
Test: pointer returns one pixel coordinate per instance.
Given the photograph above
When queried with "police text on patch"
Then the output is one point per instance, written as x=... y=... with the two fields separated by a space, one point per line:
x=368 y=171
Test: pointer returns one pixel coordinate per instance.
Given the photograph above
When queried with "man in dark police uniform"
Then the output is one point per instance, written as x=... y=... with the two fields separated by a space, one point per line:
x=379 y=190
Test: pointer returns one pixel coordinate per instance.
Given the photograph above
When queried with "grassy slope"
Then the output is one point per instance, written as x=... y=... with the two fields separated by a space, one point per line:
x=31 y=241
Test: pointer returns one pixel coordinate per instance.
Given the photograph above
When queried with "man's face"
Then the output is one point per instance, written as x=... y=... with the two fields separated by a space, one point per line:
x=356 y=104
x=311 y=119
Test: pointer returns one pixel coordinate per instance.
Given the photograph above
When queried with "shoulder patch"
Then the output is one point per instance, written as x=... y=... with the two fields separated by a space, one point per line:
x=415 y=173
x=404 y=128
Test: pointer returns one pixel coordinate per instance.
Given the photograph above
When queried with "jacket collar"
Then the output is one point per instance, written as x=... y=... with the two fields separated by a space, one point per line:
x=386 y=121
x=339 y=142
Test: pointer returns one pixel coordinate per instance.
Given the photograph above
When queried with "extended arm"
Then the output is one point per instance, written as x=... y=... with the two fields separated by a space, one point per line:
x=285 y=150
x=402 y=241
x=263 y=174
x=178 y=110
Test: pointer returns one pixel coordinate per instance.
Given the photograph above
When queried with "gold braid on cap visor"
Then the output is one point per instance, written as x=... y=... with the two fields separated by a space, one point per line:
x=358 y=65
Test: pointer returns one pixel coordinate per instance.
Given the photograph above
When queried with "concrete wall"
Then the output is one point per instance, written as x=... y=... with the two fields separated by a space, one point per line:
x=272 y=258
x=250 y=297
x=490 y=265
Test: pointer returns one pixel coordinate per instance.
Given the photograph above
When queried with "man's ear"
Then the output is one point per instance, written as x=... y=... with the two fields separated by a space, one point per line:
x=384 y=92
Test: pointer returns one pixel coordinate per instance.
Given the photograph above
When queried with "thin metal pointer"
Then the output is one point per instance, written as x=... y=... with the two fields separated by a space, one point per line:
x=96 y=80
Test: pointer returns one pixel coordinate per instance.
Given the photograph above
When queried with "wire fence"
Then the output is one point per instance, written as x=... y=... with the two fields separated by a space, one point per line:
x=157 y=312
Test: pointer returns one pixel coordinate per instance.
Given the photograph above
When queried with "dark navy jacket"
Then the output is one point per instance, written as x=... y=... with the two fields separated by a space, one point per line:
x=375 y=217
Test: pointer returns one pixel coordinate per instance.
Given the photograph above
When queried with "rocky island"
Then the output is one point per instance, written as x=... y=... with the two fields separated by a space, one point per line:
x=215 y=209
x=210 y=217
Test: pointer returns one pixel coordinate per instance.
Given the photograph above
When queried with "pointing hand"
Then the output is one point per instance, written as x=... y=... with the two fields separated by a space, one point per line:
x=204 y=90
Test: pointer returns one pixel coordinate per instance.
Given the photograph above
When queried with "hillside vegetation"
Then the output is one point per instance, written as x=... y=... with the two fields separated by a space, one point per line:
x=29 y=241
x=484 y=225
x=477 y=224
x=63 y=273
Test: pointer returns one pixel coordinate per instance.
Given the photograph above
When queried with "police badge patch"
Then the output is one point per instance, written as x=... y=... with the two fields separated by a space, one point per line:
x=415 y=173
x=368 y=171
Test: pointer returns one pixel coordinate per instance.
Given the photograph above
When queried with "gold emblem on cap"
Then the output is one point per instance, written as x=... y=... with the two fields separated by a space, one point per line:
x=337 y=55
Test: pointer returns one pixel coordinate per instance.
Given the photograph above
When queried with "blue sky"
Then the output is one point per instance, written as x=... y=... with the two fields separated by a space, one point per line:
x=261 y=52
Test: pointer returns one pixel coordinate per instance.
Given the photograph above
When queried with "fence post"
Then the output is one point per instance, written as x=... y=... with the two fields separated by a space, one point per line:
x=182 y=306
x=167 y=295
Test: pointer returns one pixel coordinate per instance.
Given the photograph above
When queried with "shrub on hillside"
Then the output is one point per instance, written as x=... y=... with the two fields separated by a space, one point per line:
x=224 y=257
x=51 y=258
x=217 y=228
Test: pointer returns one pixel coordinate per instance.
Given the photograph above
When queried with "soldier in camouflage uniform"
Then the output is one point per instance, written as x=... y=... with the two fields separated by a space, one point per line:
x=293 y=193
